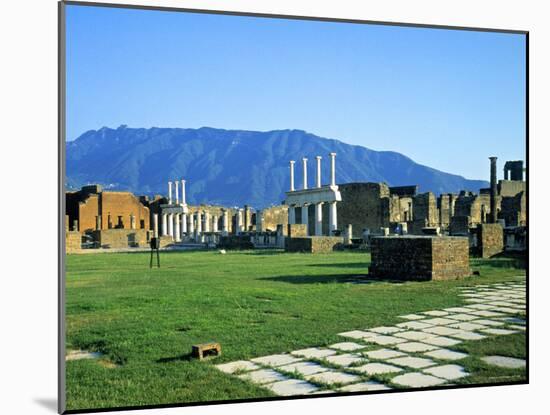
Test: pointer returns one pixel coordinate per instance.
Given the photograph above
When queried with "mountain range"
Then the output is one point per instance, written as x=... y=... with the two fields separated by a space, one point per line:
x=235 y=167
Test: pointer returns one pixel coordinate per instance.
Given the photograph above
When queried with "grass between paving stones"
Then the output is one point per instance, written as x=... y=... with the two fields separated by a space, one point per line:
x=254 y=303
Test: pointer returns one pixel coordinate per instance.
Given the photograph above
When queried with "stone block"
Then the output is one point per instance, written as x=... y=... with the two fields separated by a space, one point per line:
x=490 y=239
x=313 y=244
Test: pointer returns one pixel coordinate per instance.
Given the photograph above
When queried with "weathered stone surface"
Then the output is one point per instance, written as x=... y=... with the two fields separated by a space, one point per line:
x=357 y=334
x=262 y=376
x=364 y=387
x=498 y=332
x=490 y=239
x=276 y=360
x=303 y=368
x=385 y=330
x=413 y=362
x=449 y=372
x=238 y=366
x=345 y=360
x=292 y=387
x=415 y=325
x=415 y=347
x=417 y=380
x=444 y=354
x=313 y=353
x=330 y=377
x=414 y=335
x=419 y=257
x=314 y=244
x=441 y=341
x=383 y=354
x=384 y=340
x=504 y=361
x=347 y=346
x=377 y=368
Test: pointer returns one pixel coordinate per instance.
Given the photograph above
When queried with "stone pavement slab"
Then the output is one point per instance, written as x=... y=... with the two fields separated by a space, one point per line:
x=262 y=376
x=386 y=329
x=417 y=380
x=383 y=354
x=412 y=362
x=412 y=317
x=238 y=366
x=347 y=346
x=441 y=341
x=345 y=359
x=385 y=340
x=303 y=368
x=292 y=387
x=449 y=372
x=498 y=332
x=487 y=322
x=414 y=335
x=445 y=354
x=487 y=313
x=469 y=326
x=456 y=310
x=415 y=347
x=377 y=368
x=467 y=335
x=275 y=360
x=331 y=377
x=480 y=306
x=463 y=317
x=415 y=325
x=357 y=334
x=313 y=353
x=435 y=313
x=364 y=387
x=504 y=361
x=439 y=321
x=441 y=330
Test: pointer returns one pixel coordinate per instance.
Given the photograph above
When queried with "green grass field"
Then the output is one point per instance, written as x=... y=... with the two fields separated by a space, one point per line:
x=252 y=302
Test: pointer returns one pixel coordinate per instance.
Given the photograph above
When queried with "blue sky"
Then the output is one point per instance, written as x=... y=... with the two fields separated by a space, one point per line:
x=446 y=98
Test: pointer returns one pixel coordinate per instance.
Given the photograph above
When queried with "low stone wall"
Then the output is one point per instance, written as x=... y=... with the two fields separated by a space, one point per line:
x=419 y=257
x=235 y=242
x=296 y=230
x=314 y=244
x=73 y=241
x=121 y=238
x=490 y=239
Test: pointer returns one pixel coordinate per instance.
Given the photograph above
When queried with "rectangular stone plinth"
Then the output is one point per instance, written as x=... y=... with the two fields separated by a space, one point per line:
x=419 y=257
x=490 y=239
x=314 y=244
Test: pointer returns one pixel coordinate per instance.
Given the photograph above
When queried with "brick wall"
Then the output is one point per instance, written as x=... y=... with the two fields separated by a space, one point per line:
x=490 y=239
x=419 y=257
x=314 y=244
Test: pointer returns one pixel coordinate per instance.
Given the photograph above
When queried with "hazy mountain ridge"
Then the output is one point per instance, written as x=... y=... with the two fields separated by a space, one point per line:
x=234 y=167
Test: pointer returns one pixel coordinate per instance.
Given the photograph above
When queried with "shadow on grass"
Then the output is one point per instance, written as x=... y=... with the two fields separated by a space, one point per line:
x=328 y=279
x=355 y=265
x=182 y=358
x=500 y=262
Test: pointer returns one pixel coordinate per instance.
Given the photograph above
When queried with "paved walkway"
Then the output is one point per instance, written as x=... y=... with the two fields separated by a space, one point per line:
x=412 y=354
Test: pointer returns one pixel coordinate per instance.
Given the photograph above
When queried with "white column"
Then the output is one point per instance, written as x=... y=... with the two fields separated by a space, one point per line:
x=259 y=221
x=291 y=215
x=333 y=169
x=191 y=228
x=332 y=221
x=214 y=223
x=318 y=177
x=183 y=223
x=348 y=234
x=239 y=220
x=164 y=224
x=206 y=221
x=304 y=165
x=169 y=193
x=199 y=223
x=155 y=225
x=292 y=175
x=318 y=219
x=177 y=231
x=176 y=183
x=305 y=218
x=171 y=224
x=225 y=222
x=183 y=200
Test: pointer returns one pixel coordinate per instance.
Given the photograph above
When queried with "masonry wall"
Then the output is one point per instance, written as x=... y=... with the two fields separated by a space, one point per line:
x=510 y=187
x=73 y=240
x=273 y=216
x=314 y=244
x=490 y=239
x=419 y=257
x=425 y=207
x=121 y=238
x=514 y=210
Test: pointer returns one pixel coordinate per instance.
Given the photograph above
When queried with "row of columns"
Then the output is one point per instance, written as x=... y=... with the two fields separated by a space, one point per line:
x=178 y=224
x=332 y=216
x=318 y=176
x=183 y=194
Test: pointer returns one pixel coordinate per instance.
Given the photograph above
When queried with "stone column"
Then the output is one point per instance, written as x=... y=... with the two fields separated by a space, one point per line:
x=318 y=177
x=305 y=217
x=199 y=223
x=239 y=221
x=214 y=223
x=333 y=169
x=191 y=228
x=183 y=223
x=225 y=222
x=493 y=213
x=332 y=221
x=171 y=224
x=183 y=198
x=164 y=224
x=206 y=221
x=75 y=225
x=291 y=215
x=292 y=175
x=155 y=225
x=177 y=231
x=304 y=165
x=98 y=223
x=348 y=235
x=132 y=222
x=259 y=221
x=169 y=193
x=318 y=219
x=176 y=183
